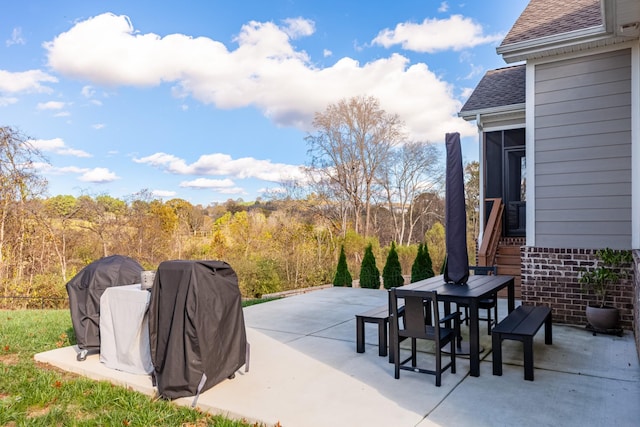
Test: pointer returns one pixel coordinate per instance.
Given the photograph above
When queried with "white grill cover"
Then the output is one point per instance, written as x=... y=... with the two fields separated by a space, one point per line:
x=124 y=329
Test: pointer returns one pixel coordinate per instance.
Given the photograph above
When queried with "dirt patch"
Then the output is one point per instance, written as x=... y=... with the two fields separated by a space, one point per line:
x=9 y=359
x=36 y=412
x=66 y=375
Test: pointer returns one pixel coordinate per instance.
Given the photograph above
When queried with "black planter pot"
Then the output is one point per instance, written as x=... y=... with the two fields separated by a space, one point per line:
x=603 y=318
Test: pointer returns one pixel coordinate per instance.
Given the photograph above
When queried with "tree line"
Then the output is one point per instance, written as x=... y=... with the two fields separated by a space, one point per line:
x=367 y=187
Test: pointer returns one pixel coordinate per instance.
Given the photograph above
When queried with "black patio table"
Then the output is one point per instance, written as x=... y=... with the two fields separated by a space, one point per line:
x=477 y=287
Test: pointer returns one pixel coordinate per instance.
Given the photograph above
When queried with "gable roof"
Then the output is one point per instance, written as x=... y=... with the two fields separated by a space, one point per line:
x=544 y=18
x=498 y=88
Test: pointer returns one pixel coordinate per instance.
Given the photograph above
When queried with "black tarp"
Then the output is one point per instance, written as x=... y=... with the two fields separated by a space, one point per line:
x=457 y=259
x=86 y=288
x=196 y=326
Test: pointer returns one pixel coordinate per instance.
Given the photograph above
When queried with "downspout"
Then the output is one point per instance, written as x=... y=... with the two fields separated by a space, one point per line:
x=481 y=207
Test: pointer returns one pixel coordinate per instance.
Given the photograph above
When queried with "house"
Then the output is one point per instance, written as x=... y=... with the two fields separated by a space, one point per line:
x=559 y=135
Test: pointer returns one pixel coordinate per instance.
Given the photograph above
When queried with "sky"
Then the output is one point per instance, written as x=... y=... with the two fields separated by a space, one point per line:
x=209 y=100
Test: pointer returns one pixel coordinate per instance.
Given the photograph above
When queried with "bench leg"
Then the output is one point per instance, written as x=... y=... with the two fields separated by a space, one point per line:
x=527 y=344
x=382 y=337
x=548 y=338
x=359 y=334
x=496 y=348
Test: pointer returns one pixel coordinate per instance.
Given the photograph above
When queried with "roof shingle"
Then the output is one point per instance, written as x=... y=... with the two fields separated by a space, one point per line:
x=542 y=18
x=498 y=88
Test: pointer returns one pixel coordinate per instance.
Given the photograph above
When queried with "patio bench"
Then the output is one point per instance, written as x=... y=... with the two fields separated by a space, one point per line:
x=521 y=325
x=379 y=316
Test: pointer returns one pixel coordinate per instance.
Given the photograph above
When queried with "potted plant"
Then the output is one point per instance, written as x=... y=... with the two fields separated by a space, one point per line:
x=599 y=280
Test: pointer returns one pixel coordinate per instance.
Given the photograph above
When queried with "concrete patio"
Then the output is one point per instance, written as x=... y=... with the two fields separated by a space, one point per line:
x=305 y=372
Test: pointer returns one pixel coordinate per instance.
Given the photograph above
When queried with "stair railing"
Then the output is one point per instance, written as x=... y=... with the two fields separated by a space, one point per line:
x=492 y=234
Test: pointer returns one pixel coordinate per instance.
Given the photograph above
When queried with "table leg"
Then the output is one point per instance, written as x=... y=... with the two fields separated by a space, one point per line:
x=511 y=301
x=474 y=338
x=359 y=334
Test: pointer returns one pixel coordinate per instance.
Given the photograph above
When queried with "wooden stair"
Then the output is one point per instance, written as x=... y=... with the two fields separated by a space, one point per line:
x=508 y=262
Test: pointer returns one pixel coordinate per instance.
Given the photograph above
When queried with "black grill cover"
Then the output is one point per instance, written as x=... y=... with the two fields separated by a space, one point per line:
x=86 y=288
x=196 y=326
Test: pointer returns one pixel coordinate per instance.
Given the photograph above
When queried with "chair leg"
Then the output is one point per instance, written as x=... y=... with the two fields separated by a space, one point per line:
x=489 y=321
x=438 y=366
x=414 y=359
x=453 y=357
x=396 y=355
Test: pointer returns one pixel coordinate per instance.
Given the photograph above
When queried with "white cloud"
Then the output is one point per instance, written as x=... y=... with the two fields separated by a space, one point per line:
x=98 y=126
x=107 y=50
x=16 y=37
x=25 y=81
x=51 y=105
x=222 y=186
x=444 y=6
x=88 y=91
x=98 y=176
x=326 y=53
x=234 y=190
x=208 y=183
x=95 y=175
x=6 y=101
x=223 y=165
x=163 y=193
x=57 y=146
x=299 y=27
x=434 y=35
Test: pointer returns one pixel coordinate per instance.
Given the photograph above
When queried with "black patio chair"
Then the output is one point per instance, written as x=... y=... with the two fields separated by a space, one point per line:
x=484 y=304
x=417 y=325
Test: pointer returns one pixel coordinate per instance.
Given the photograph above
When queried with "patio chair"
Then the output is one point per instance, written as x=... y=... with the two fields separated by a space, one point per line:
x=484 y=304
x=417 y=325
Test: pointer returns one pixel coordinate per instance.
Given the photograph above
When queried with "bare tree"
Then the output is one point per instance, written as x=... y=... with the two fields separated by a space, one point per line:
x=19 y=183
x=472 y=196
x=354 y=138
x=413 y=169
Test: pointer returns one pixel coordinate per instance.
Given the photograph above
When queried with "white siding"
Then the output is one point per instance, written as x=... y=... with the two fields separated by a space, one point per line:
x=583 y=152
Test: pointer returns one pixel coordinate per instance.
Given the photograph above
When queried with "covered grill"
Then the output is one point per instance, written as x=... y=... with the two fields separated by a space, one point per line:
x=196 y=326
x=85 y=290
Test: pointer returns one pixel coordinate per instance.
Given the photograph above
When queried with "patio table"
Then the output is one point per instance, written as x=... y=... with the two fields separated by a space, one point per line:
x=477 y=287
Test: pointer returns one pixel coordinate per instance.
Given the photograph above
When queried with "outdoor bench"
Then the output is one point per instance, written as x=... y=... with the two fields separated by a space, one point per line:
x=379 y=316
x=521 y=325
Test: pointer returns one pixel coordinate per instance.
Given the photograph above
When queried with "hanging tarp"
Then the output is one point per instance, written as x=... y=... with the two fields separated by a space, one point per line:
x=457 y=259
x=86 y=288
x=196 y=326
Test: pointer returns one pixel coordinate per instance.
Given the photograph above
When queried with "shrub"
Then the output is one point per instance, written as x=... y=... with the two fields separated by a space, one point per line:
x=422 y=267
x=369 y=273
x=392 y=271
x=342 y=277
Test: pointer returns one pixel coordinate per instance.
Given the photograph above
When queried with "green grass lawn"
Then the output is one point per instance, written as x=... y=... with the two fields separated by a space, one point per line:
x=36 y=395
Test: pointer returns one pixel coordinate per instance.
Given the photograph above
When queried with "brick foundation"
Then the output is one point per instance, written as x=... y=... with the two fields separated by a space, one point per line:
x=550 y=278
x=636 y=310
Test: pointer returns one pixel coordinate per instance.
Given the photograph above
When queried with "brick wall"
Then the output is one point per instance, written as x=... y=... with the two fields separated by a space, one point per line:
x=636 y=315
x=550 y=278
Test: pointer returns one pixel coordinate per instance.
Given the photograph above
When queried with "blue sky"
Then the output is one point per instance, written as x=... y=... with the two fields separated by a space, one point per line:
x=210 y=100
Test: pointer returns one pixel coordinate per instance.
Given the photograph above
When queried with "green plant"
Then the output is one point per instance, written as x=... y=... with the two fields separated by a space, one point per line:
x=422 y=267
x=605 y=273
x=392 y=271
x=369 y=273
x=342 y=277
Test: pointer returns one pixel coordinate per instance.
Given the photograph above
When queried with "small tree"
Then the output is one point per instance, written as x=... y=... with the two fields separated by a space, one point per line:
x=392 y=271
x=417 y=272
x=422 y=267
x=369 y=273
x=428 y=265
x=342 y=277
